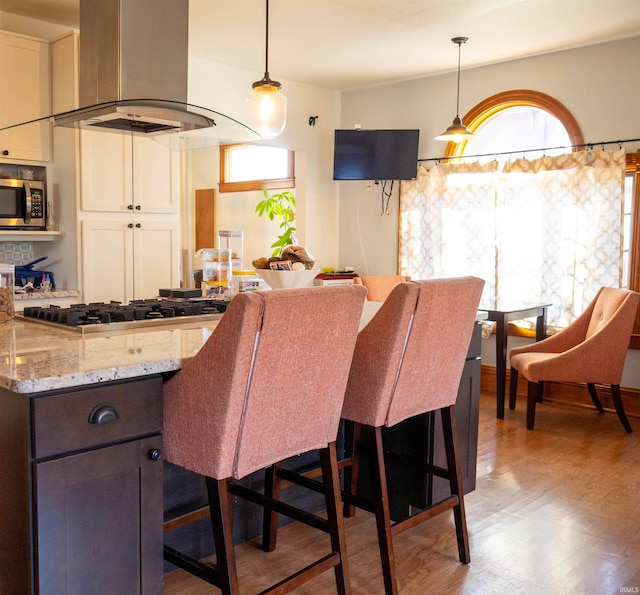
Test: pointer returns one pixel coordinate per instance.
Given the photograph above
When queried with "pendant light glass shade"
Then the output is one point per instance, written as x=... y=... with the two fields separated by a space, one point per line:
x=267 y=107
x=457 y=132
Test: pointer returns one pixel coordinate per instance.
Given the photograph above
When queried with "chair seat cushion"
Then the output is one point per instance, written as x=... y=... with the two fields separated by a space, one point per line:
x=554 y=367
x=532 y=365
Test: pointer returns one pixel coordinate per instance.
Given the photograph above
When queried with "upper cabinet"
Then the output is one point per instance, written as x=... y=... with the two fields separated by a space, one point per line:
x=24 y=96
x=123 y=173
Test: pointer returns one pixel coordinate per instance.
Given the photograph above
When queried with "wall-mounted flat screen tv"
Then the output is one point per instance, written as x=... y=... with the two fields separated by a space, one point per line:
x=375 y=154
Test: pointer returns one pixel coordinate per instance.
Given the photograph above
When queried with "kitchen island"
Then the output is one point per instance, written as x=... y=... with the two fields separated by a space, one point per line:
x=81 y=498
x=81 y=473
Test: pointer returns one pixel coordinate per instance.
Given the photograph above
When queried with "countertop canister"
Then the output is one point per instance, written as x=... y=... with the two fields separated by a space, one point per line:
x=7 y=281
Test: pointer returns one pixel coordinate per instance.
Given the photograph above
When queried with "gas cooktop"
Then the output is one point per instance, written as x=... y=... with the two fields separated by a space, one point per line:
x=110 y=316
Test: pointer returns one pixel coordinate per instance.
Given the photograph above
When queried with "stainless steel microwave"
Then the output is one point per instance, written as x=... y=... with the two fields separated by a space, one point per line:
x=22 y=204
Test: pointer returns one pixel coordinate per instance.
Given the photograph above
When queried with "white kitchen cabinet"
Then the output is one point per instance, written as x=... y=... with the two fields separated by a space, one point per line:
x=24 y=96
x=129 y=259
x=133 y=251
x=123 y=173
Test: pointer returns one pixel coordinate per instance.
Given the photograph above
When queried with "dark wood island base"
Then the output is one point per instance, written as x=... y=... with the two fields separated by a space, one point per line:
x=82 y=498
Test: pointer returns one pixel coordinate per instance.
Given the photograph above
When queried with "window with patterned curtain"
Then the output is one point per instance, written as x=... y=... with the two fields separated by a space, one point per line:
x=545 y=228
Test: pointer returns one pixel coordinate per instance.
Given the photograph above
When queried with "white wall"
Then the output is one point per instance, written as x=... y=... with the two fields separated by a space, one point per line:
x=225 y=89
x=599 y=84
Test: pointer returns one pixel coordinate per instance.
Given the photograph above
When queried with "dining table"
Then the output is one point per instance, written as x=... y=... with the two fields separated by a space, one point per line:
x=502 y=312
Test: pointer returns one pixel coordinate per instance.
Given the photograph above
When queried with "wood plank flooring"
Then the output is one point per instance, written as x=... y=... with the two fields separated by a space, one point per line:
x=556 y=510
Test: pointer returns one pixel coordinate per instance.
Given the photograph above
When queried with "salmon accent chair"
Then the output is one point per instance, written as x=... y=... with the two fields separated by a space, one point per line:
x=268 y=384
x=591 y=350
x=380 y=286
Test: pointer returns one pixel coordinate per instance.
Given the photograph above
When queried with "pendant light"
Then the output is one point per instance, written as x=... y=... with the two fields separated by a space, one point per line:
x=267 y=107
x=457 y=132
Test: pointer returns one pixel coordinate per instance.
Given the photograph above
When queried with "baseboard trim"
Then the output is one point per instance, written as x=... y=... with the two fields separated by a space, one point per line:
x=566 y=393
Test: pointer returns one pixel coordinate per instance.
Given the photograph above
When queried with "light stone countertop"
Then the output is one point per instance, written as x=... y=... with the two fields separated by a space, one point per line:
x=35 y=357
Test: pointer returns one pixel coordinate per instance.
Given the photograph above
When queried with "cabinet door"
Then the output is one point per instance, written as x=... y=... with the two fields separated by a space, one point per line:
x=94 y=535
x=156 y=177
x=129 y=259
x=28 y=62
x=107 y=266
x=156 y=251
x=123 y=173
x=105 y=167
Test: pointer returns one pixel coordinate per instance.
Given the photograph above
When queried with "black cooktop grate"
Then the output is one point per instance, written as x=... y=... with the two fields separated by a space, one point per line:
x=105 y=313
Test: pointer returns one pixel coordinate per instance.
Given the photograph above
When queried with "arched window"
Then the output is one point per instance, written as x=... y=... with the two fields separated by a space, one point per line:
x=525 y=120
x=519 y=120
x=539 y=226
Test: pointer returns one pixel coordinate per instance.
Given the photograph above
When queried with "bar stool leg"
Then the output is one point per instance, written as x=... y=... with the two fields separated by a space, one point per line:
x=331 y=483
x=381 y=509
x=272 y=485
x=455 y=482
x=221 y=507
x=352 y=434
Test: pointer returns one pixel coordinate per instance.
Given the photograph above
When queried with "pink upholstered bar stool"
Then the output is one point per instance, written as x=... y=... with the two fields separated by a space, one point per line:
x=591 y=350
x=380 y=286
x=257 y=393
x=408 y=361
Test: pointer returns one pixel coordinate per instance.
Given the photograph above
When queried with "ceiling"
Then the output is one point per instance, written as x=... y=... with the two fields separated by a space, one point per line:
x=349 y=44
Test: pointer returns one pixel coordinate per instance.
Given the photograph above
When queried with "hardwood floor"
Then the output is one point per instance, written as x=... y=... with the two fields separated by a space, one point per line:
x=555 y=510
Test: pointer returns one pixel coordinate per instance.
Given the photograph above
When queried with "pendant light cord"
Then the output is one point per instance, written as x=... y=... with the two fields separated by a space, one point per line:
x=266 y=43
x=459 y=41
x=458 y=96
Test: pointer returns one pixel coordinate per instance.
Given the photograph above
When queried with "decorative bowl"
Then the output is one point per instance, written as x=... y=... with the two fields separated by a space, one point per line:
x=286 y=279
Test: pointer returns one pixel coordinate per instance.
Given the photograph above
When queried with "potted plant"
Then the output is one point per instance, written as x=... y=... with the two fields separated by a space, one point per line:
x=280 y=206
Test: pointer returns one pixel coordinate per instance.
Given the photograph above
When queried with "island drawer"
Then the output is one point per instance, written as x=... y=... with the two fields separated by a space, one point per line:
x=93 y=417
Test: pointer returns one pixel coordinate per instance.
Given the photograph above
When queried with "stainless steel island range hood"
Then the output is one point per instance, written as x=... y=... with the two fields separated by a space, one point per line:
x=133 y=72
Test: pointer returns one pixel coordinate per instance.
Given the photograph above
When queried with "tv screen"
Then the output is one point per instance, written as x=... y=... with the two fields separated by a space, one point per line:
x=375 y=154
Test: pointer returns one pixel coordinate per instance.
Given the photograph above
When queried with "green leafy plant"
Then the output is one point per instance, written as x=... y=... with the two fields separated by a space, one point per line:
x=282 y=207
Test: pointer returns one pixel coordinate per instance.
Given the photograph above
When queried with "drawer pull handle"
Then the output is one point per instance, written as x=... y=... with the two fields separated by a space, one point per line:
x=155 y=454
x=103 y=414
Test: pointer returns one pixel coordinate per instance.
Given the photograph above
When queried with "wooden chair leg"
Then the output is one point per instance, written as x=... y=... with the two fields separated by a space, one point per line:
x=540 y=394
x=272 y=485
x=352 y=434
x=532 y=398
x=594 y=397
x=381 y=509
x=455 y=482
x=617 y=403
x=513 y=387
x=331 y=484
x=221 y=507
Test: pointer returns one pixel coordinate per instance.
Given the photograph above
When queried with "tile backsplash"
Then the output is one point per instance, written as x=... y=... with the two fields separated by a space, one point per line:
x=18 y=253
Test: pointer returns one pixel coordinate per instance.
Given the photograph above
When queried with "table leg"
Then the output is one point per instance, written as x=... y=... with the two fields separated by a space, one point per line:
x=501 y=362
x=541 y=325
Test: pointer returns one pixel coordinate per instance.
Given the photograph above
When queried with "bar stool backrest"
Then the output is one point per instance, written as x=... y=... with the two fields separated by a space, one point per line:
x=268 y=384
x=409 y=357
